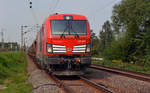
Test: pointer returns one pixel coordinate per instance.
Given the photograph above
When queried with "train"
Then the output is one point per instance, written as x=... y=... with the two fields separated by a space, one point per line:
x=63 y=45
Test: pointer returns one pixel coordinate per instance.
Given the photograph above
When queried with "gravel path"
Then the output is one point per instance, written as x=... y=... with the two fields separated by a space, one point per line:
x=38 y=77
x=117 y=83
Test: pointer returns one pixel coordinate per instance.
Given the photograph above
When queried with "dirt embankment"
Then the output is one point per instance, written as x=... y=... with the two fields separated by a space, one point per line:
x=40 y=80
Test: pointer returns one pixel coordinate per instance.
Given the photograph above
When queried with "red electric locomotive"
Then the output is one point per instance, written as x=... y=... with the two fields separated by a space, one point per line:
x=63 y=44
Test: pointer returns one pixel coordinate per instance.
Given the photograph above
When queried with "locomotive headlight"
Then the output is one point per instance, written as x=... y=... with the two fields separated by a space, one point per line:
x=88 y=48
x=82 y=48
x=68 y=17
x=49 y=48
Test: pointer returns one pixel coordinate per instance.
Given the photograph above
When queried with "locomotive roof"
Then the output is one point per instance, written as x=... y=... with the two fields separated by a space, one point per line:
x=61 y=16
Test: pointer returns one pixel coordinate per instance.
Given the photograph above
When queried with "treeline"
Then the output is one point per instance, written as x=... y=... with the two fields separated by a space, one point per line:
x=127 y=36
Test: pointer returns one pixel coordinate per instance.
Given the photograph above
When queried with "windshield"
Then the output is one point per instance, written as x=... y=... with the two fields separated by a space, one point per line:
x=68 y=27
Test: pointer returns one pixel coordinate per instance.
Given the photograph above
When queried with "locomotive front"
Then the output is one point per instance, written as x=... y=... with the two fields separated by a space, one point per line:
x=67 y=44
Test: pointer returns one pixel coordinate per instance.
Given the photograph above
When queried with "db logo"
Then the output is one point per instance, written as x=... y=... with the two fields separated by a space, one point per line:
x=69 y=49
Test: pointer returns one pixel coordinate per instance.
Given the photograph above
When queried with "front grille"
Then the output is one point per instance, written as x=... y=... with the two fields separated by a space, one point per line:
x=59 y=49
x=79 y=49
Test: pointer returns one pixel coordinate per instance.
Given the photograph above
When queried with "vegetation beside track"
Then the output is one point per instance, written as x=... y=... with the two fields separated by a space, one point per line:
x=123 y=65
x=125 y=37
x=13 y=73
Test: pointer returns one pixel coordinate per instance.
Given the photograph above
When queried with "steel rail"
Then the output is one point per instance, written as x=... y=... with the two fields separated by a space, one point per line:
x=127 y=73
x=95 y=85
x=60 y=84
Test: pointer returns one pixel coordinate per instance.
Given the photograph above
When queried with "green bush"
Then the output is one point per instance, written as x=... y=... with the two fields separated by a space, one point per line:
x=117 y=50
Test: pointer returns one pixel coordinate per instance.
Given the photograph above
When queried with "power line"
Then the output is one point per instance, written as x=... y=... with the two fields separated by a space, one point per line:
x=51 y=3
x=55 y=6
x=57 y=2
x=34 y=16
x=31 y=33
x=103 y=8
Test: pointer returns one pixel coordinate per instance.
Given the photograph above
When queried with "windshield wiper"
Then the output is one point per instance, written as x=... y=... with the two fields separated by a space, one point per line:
x=70 y=28
x=67 y=26
x=76 y=34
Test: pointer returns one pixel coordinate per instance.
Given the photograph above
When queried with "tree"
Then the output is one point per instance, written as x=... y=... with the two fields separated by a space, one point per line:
x=132 y=17
x=105 y=35
x=95 y=43
x=93 y=35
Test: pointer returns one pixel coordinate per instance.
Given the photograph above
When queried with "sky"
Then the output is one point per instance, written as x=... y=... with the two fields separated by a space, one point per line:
x=14 y=13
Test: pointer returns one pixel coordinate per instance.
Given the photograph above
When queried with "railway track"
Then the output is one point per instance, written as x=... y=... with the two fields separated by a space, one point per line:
x=80 y=85
x=61 y=84
x=136 y=75
x=83 y=84
x=97 y=86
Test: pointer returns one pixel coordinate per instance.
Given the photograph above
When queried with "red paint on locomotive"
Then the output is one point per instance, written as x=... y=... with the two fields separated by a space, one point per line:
x=64 y=39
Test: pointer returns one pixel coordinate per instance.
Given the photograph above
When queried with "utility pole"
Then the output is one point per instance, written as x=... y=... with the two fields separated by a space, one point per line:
x=23 y=43
x=22 y=40
x=21 y=37
x=2 y=34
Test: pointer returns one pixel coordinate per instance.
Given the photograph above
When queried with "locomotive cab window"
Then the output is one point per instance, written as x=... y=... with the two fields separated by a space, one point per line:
x=68 y=27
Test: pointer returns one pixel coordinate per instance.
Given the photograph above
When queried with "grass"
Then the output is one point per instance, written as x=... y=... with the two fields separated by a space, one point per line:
x=122 y=65
x=13 y=73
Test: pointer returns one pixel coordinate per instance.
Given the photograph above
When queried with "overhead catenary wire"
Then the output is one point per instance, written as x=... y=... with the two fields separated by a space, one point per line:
x=33 y=29
x=34 y=16
x=103 y=8
x=31 y=33
x=55 y=6
x=50 y=5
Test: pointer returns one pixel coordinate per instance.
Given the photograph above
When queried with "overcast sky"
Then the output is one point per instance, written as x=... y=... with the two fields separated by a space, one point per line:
x=14 y=13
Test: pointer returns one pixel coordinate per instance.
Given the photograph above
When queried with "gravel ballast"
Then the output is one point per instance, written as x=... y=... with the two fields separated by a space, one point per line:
x=119 y=83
